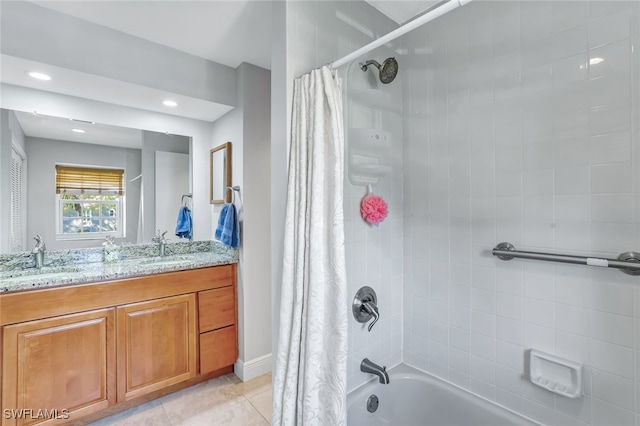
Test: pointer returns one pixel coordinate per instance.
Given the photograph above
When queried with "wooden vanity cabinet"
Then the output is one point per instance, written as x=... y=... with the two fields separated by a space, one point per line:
x=61 y=363
x=217 y=319
x=156 y=344
x=98 y=346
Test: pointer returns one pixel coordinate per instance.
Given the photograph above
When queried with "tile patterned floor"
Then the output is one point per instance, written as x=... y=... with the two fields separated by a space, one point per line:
x=221 y=401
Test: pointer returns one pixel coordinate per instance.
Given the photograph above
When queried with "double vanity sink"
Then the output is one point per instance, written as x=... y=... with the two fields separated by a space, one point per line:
x=147 y=325
x=58 y=270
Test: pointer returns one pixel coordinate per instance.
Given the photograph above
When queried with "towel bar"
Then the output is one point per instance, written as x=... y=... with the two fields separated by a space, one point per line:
x=628 y=262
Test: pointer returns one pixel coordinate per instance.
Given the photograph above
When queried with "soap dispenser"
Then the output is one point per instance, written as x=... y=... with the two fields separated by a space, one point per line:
x=110 y=249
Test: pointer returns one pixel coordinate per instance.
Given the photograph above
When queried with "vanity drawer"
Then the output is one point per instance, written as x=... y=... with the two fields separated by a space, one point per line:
x=218 y=349
x=216 y=308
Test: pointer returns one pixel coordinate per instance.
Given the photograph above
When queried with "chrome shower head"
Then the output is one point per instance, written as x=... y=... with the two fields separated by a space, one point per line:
x=388 y=70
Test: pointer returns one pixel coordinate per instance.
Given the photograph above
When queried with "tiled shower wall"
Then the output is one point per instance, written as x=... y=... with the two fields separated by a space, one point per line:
x=316 y=33
x=515 y=131
x=374 y=253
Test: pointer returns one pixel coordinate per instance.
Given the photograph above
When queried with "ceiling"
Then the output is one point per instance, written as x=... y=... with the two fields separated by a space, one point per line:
x=402 y=11
x=45 y=126
x=228 y=32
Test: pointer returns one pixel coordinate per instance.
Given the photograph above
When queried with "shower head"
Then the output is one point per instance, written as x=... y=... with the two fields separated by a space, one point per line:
x=388 y=70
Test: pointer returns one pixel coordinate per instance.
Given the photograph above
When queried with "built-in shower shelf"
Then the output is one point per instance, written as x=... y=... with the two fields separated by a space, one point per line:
x=369 y=155
x=374 y=141
x=555 y=374
x=373 y=170
x=372 y=98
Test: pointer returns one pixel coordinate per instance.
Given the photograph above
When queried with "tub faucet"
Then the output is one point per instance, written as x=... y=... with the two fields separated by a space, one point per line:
x=162 y=242
x=367 y=366
x=38 y=251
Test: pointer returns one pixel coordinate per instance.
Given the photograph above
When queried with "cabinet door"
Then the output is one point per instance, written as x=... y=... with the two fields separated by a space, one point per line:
x=64 y=365
x=156 y=344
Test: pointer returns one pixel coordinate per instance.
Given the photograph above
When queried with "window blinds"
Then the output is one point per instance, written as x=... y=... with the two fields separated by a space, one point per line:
x=17 y=202
x=88 y=180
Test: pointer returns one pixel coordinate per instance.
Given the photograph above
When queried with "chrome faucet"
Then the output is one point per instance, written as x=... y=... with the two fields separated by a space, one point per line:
x=367 y=366
x=162 y=243
x=38 y=251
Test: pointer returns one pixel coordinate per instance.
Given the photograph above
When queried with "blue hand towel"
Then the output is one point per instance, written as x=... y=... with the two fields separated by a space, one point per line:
x=184 y=225
x=227 y=231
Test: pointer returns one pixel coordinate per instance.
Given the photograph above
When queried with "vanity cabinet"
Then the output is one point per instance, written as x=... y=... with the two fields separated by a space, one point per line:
x=217 y=318
x=157 y=344
x=65 y=362
x=108 y=346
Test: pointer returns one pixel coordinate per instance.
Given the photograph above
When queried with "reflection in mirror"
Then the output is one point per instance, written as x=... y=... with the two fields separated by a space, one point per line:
x=76 y=182
x=220 y=158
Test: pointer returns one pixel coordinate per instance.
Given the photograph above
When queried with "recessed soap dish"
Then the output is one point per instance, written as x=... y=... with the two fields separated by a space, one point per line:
x=555 y=374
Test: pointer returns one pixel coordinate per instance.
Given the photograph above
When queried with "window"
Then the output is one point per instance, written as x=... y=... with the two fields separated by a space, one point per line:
x=90 y=202
x=18 y=231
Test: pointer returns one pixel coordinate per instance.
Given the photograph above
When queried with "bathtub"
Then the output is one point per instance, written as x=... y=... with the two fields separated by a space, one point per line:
x=416 y=398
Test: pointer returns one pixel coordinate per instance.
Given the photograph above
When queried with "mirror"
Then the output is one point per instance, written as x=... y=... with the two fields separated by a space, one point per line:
x=220 y=173
x=157 y=173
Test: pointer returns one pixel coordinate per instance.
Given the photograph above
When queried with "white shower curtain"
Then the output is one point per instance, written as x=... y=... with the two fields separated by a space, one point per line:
x=311 y=361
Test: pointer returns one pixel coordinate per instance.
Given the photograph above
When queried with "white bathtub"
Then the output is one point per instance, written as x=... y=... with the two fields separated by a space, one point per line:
x=416 y=398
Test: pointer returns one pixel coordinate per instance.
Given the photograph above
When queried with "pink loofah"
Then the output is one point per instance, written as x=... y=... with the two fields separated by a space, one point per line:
x=373 y=209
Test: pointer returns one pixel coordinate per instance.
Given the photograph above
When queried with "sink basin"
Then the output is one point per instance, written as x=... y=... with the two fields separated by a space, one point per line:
x=37 y=274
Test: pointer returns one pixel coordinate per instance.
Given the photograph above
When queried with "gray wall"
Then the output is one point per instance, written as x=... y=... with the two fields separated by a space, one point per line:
x=248 y=128
x=44 y=154
x=152 y=142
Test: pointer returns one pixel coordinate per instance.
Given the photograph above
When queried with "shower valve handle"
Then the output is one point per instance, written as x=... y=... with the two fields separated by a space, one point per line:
x=372 y=310
x=365 y=306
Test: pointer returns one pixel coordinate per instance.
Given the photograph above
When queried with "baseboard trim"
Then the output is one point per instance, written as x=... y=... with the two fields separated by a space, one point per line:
x=252 y=368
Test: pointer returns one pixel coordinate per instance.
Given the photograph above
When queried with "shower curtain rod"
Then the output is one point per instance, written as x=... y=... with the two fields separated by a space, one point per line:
x=431 y=14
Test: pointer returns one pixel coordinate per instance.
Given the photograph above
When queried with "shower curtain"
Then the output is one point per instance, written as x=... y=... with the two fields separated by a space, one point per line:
x=311 y=360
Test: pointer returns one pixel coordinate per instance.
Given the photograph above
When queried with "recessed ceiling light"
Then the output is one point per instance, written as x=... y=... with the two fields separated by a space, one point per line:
x=595 y=61
x=170 y=103
x=39 y=75
x=82 y=121
x=77 y=130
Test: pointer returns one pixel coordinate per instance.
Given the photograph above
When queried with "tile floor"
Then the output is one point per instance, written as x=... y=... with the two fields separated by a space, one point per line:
x=224 y=400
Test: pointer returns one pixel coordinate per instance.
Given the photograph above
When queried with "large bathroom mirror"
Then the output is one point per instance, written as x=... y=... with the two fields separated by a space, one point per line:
x=154 y=169
x=220 y=173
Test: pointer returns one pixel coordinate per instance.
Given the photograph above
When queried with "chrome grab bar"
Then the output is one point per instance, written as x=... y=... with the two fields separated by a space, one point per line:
x=628 y=262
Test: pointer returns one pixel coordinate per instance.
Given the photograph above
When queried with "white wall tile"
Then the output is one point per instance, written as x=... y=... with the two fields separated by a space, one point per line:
x=612 y=208
x=612 y=328
x=608 y=178
x=609 y=29
x=605 y=413
x=616 y=59
x=610 y=148
x=483 y=323
x=617 y=299
x=526 y=142
x=612 y=358
x=482 y=369
x=614 y=389
x=509 y=330
x=510 y=355
x=539 y=312
x=572 y=208
x=509 y=306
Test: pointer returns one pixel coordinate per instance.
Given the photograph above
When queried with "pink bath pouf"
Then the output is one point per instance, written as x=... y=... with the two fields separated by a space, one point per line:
x=373 y=209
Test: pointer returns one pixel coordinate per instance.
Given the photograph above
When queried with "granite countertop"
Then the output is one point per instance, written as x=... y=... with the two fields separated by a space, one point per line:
x=59 y=273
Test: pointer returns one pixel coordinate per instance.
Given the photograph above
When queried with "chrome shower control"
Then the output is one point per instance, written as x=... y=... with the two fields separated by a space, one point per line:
x=365 y=306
